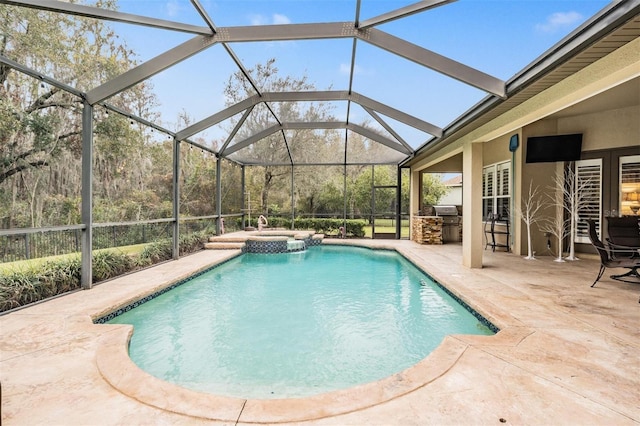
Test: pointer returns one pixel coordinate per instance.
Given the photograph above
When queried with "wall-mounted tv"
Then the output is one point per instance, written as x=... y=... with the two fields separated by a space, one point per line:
x=545 y=149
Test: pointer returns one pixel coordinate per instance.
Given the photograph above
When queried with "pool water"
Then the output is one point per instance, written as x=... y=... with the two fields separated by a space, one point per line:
x=295 y=324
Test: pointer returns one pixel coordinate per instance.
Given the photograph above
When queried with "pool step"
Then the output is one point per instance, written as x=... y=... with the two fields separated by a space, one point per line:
x=228 y=239
x=221 y=245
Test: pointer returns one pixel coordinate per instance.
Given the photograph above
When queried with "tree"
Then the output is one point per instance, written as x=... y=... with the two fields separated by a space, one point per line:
x=575 y=193
x=40 y=125
x=432 y=189
x=310 y=181
x=558 y=225
x=331 y=197
x=37 y=122
x=300 y=143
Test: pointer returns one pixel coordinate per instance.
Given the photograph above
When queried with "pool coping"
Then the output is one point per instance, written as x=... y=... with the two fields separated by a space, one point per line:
x=563 y=355
x=117 y=368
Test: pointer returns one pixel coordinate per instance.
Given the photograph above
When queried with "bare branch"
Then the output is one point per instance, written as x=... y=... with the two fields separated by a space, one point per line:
x=54 y=105
x=70 y=134
x=35 y=105
x=532 y=203
x=18 y=169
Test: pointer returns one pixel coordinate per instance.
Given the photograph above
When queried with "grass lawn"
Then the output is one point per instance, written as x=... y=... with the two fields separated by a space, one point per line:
x=404 y=231
x=388 y=226
x=30 y=264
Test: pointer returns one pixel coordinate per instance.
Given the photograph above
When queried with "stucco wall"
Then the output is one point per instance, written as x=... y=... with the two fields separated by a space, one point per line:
x=604 y=130
x=496 y=151
x=450 y=165
x=453 y=197
x=540 y=175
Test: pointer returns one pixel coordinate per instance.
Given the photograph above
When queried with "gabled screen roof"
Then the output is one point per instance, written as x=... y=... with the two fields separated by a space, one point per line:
x=306 y=82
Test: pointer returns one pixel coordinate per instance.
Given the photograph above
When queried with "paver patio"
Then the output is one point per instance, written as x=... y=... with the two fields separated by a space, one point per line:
x=566 y=354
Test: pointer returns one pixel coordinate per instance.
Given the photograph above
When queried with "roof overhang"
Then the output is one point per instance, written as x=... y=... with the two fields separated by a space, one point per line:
x=610 y=29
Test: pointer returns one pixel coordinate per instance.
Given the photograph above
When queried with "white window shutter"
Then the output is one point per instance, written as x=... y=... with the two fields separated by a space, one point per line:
x=629 y=185
x=488 y=175
x=589 y=186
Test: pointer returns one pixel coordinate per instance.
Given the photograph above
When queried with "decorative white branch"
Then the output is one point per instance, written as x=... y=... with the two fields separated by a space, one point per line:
x=559 y=228
x=574 y=200
x=532 y=204
x=557 y=225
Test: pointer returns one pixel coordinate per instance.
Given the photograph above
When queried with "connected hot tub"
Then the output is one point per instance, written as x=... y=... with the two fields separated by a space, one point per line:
x=281 y=241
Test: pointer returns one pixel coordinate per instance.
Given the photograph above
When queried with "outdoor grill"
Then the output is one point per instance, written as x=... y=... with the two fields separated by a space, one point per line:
x=450 y=223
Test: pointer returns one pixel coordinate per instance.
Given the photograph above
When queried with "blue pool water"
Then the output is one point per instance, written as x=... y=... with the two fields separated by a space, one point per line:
x=294 y=325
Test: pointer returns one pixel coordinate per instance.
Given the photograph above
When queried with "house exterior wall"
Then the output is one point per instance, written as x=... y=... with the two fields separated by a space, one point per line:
x=602 y=130
x=496 y=150
x=450 y=165
x=540 y=176
x=453 y=197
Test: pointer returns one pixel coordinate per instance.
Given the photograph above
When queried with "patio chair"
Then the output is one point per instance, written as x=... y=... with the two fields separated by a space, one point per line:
x=490 y=232
x=615 y=256
x=624 y=231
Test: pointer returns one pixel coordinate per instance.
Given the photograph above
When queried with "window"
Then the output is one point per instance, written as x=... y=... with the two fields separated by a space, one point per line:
x=629 y=185
x=496 y=187
x=588 y=183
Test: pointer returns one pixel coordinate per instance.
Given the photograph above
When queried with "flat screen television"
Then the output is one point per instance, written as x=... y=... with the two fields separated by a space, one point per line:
x=545 y=149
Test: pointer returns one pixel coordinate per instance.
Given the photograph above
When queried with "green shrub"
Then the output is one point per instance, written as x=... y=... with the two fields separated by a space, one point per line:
x=21 y=287
x=163 y=249
x=109 y=263
x=355 y=227
x=156 y=252
x=62 y=275
x=193 y=242
x=18 y=288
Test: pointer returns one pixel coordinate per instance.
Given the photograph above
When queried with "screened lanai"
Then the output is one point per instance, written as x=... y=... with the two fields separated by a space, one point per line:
x=206 y=107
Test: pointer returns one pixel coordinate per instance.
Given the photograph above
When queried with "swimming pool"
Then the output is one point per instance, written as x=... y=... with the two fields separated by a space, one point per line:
x=293 y=325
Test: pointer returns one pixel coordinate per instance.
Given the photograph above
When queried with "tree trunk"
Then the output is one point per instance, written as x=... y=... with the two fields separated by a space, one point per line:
x=530 y=255
x=33 y=208
x=560 y=235
x=572 y=237
x=264 y=195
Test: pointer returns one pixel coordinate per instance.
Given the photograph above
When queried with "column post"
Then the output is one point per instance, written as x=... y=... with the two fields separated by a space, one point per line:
x=414 y=198
x=87 y=197
x=243 y=207
x=472 y=232
x=398 y=206
x=176 y=198
x=218 y=193
x=293 y=200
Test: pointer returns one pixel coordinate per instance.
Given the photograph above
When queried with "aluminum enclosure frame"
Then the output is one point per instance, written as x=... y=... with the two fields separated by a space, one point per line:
x=204 y=37
x=209 y=35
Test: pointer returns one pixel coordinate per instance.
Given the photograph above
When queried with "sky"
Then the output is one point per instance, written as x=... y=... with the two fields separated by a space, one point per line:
x=497 y=37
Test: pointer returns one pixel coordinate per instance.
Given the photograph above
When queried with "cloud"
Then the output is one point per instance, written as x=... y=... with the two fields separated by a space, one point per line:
x=173 y=8
x=276 y=19
x=346 y=69
x=257 y=20
x=558 y=21
x=280 y=19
